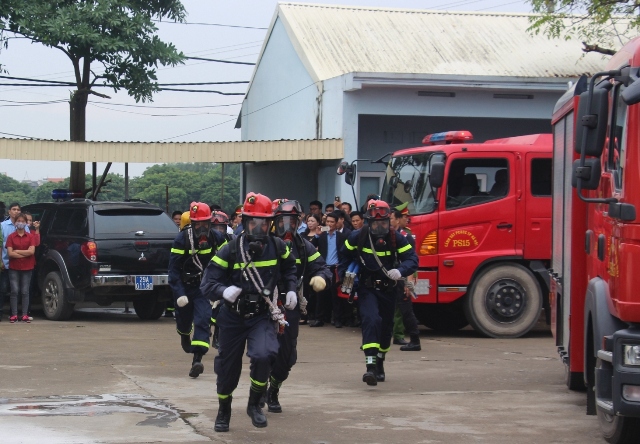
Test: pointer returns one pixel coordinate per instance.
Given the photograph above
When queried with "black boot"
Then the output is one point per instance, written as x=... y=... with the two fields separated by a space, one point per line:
x=380 y=369
x=370 y=375
x=185 y=342
x=414 y=345
x=254 y=411
x=272 y=400
x=196 y=366
x=224 y=415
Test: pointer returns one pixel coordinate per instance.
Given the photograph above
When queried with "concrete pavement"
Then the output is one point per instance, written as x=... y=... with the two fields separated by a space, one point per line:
x=107 y=377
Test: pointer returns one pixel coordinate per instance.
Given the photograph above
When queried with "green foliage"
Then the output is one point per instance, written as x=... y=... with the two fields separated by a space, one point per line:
x=118 y=34
x=597 y=23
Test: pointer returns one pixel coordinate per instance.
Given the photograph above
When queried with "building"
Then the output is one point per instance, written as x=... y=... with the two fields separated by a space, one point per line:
x=381 y=79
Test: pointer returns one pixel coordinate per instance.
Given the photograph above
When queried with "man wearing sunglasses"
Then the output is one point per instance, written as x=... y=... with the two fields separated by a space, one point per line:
x=384 y=257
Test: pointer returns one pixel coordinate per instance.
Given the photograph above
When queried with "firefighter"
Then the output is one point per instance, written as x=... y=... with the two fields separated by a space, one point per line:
x=243 y=274
x=384 y=258
x=311 y=271
x=219 y=223
x=191 y=251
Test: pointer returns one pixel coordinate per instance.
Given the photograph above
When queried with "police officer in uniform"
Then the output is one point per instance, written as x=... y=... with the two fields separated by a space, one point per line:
x=191 y=252
x=384 y=257
x=244 y=274
x=311 y=271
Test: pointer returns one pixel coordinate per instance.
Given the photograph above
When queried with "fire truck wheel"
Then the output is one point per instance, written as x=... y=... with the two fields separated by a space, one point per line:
x=617 y=429
x=504 y=301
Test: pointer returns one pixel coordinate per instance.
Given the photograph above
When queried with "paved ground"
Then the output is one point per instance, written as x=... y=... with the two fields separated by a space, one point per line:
x=107 y=377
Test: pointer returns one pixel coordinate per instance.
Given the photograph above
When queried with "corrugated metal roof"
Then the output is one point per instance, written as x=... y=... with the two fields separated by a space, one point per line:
x=335 y=40
x=132 y=152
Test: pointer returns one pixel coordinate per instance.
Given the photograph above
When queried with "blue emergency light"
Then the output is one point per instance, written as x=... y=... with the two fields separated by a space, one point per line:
x=447 y=137
x=60 y=194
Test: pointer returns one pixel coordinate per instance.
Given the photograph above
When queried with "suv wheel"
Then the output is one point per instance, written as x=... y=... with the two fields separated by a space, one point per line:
x=54 y=300
x=148 y=308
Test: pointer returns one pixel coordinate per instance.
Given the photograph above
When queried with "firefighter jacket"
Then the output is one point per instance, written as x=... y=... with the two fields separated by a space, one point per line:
x=183 y=268
x=308 y=261
x=401 y=256
x=274 y=264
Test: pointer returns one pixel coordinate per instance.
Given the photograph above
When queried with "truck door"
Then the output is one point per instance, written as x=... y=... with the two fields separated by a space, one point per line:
x=477 y=215
x=537 y=196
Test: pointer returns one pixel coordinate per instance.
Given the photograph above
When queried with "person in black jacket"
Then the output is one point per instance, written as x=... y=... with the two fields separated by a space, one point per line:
x=191 y=252
x=311 y=271
x=243 y=275
x=329 y=245
x=384 y=257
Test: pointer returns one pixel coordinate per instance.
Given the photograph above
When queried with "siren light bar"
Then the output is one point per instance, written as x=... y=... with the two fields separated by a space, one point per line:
x=447 y=137
x=61 y=194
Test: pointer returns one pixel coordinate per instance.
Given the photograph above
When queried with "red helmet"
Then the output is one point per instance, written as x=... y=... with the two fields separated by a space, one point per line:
x=257 y=205
x=286 y=206
x=377 y=209
x=199 y=211
x=219 y=217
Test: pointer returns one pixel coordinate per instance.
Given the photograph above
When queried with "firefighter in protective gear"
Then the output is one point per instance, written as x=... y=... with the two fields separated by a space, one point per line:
x=191 y=251
x=185 y=220
x=385 y=257
x=219 y=223
x=311 y=270
x=243 y=275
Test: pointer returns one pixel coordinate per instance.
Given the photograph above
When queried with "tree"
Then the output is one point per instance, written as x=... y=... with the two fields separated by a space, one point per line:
x=13 y=191
x=117 y=34
x=601 y=25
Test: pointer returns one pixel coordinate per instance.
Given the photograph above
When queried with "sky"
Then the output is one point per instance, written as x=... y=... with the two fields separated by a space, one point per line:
x=227 y=30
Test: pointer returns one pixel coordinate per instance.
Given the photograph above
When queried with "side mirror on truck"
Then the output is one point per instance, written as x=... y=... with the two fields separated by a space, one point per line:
x=594 y=120
x=436 y=177
x=631 y=95
x=589 y=173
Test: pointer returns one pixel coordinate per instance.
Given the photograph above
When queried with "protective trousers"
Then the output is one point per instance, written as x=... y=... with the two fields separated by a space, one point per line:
x=259 y=335
x=197 y=313
x=376 y=312
x=405 y=305
x=288 y=351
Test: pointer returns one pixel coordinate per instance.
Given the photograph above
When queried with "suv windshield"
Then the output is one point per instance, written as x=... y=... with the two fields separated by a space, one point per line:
x=407 y=180
x=115 y=221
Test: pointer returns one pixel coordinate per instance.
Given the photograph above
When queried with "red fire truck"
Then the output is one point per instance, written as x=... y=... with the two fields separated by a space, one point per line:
x=481 y=218
x=594 y=296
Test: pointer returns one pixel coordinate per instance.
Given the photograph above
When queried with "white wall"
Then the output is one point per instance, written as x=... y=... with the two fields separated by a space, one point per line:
x=280 y=74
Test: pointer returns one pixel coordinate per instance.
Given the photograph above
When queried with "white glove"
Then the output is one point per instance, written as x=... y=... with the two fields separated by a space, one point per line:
x=182 y=301
x=317 y=283
x=292 y=300
x=394 y=274
x=230 y=294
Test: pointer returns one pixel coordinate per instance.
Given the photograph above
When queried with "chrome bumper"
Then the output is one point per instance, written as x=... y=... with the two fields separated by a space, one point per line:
x=126 y=280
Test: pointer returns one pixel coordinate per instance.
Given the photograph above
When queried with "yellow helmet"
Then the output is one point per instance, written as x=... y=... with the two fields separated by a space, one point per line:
x=185 y=219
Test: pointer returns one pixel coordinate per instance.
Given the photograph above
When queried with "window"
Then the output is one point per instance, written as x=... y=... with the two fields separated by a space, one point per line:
x=125 y=220
x=541 y=177
x=617 y=137
x=475 y=181
x=67 y=221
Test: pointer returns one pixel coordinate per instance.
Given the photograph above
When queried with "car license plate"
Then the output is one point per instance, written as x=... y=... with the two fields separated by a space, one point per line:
x=144 y=283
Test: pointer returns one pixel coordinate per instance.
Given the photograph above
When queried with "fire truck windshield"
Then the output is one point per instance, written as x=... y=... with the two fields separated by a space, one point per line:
x=407 y=180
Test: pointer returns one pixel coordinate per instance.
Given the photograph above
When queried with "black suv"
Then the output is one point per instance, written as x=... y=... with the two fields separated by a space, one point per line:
x=103 y=252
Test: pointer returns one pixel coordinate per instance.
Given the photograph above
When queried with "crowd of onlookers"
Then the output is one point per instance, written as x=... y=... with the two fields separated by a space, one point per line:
x=19 y=236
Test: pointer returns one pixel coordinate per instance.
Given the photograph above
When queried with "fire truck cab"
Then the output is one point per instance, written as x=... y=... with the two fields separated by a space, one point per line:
x=481 y=218
x=594 y=295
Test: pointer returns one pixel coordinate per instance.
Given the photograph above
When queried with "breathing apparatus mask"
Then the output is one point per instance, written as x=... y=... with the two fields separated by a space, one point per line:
x=256 y=230
x=201 y=234
x=286 y=225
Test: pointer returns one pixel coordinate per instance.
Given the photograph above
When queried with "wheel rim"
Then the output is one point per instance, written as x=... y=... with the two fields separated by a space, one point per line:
x=506 y=300
x=51 y=296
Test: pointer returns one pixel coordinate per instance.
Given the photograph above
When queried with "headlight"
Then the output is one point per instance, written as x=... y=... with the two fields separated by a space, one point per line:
x=631 y=355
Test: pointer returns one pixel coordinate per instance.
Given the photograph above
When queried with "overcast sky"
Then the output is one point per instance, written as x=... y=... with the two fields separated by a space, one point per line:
x=172 y=116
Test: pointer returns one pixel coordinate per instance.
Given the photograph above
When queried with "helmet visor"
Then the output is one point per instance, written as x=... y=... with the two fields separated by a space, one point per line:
x=291 y=206
x=286 y=224
x=378 y=213
x=222 y=228
x=379 y=227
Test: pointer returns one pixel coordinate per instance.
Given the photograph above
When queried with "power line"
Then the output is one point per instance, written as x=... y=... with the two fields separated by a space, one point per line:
x=210 y=24
x=157 y=115
x=167 y=107
x=201 y=91
x=220 y=61
x=56 y=83
x=19 y=135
